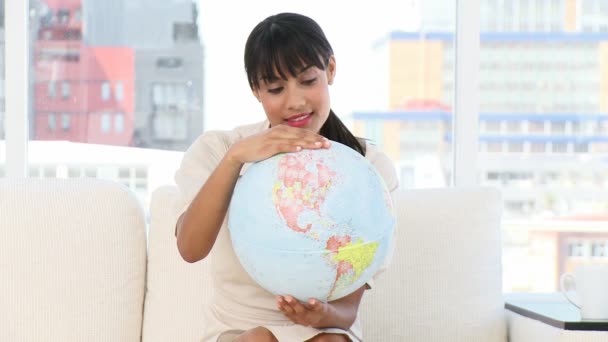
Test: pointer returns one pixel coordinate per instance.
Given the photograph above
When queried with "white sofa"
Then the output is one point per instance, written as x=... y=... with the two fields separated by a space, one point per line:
x=75 y=267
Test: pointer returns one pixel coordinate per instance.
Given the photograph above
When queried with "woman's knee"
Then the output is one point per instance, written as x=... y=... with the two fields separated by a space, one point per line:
x=330 y=338
x=259 y=334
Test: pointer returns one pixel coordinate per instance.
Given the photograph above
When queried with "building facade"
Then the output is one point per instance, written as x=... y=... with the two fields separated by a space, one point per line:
x=96 y=65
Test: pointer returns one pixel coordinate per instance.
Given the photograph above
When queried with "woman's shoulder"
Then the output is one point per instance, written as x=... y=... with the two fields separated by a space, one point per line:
x=384 y=165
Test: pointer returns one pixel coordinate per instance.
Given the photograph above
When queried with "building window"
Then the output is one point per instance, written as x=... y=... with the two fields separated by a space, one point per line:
x=158 y=97
x=536 y=126
x=119 y=122
x=170 y=95
x=65 y=89
x=52 y=121
x=515 y=147
x=169 y=62
x=49 y=172
x=558 y=127
x=494 y=147
x=105 y=91
x=77 y=15
x=576 y=249
x=119 y=91
x=514 y=127
x=598 y=249
x=63 y=16
x=51 y=90
x=74 y=172
x=581 y=147
x=538 y=147
x=105 y=122
x=65 y=121
x=559 y=147
x=170 y=126
x=492 y=126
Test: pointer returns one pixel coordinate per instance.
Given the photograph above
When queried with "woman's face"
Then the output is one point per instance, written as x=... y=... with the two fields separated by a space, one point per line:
x=301 y=100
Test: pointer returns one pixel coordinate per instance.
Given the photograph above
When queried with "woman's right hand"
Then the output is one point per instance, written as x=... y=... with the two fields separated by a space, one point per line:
x=275 y=140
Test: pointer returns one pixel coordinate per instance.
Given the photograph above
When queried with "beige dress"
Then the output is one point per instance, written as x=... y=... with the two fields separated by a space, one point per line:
x=238 y=303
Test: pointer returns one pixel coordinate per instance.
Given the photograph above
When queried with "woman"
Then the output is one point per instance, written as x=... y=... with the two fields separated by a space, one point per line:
x=290 y=65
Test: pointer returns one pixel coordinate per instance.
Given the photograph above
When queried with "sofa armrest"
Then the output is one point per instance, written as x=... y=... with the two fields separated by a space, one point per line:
x=72 y=261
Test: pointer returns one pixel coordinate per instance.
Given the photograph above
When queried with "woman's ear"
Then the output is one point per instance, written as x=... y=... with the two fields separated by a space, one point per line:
x=331 y=70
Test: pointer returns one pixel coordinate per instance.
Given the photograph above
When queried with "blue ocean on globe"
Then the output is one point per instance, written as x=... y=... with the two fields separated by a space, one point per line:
x=312 y=224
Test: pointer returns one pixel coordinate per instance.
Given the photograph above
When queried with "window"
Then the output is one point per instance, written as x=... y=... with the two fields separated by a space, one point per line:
x=105 y=91
x=65 y=121
x=119 y=91
x=119 y=123
x=169 y=62
x=598 y=249
x=65 y=89
x=106 y=122
x=538 y=147
x=51 y=89
x=77 y=15
x=63 y=16
x=154 y=99
x=551 y=90
x=515 y=147
x=576 y=249
x=581 y=147
x=52 y=122
x=558 y=127
x=559 y=147
x=536 y=127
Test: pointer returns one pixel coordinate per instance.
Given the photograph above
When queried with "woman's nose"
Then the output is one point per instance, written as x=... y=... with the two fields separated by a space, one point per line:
x=295 y=99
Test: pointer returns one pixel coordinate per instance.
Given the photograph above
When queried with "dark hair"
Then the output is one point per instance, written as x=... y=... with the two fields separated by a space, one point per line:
x=292 y=41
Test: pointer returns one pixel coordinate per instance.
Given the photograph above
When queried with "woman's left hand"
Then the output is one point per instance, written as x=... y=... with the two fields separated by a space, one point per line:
x=310 y=313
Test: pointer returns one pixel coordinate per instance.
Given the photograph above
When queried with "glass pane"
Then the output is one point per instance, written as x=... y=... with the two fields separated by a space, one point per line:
x=544 y=136
x=92 y=90
x=134 y=78
x=407 y=105
x=2 y=95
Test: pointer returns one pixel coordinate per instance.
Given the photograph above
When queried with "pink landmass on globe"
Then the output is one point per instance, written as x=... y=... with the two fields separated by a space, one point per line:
x=300 y=190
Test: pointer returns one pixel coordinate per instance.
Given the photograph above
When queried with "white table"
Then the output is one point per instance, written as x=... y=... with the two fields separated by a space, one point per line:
x=540 y=317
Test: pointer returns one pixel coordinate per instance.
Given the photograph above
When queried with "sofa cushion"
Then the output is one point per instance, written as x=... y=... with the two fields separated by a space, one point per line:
x=176 y=291
x=72 y=255
x=444 y=282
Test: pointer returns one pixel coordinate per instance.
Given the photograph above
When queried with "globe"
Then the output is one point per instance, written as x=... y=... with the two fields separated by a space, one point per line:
x=312 y=224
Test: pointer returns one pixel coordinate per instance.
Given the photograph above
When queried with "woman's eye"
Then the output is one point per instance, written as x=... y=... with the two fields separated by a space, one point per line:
x=310 y=81
x=275 y=90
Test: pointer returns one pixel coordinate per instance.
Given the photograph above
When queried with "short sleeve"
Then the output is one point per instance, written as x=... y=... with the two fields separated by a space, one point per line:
x=199 y=161
x=386 y=169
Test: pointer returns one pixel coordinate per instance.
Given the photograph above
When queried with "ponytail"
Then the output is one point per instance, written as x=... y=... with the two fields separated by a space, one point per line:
x=335 y=130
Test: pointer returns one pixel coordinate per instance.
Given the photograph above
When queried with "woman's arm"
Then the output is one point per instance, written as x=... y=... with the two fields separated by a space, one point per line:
x=198 y=226
x=340 y=313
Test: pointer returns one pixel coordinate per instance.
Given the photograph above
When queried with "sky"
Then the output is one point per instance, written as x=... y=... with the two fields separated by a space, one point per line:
x=352 y=28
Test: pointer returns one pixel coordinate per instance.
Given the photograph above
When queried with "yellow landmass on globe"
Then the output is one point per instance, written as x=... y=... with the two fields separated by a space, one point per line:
x=359 y=254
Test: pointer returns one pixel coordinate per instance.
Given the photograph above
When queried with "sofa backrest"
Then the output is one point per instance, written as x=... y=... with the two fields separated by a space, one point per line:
x=72 y=261
x=444 y=283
